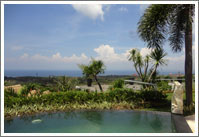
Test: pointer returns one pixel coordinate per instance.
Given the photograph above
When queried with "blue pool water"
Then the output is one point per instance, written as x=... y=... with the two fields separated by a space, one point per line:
x=93 y=122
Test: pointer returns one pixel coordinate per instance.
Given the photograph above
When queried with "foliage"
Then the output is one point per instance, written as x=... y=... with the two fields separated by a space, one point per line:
x=86 y=70
x=24 y=91
x=82 y=97
x=65 y=83
x=157 y=56
x=91 y=70
x=153 y=96
x=189 y=110
x=118 y=83
x=37 y=108
x=27 y=88
x=141 y=63
x=176 y=20
x=10 y=92
x=94 y=68
x=163 y=86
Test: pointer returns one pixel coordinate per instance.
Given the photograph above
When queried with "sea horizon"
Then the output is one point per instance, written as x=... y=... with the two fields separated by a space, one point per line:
x=71 y=73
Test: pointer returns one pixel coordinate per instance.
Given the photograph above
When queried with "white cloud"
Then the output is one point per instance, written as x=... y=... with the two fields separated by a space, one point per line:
x=105 y=51
x=55 y=58
x=92 y=11
x=108 y=55
x=39 y=58
x=16 y=48
x=123 y=9
x=145 y=51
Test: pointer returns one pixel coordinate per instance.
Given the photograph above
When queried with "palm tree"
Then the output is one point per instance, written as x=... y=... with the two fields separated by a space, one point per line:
x=137 y=59
x=65 y=83
x=176 y=20
x=142 y=63
x=93 y=69
x=157 y=55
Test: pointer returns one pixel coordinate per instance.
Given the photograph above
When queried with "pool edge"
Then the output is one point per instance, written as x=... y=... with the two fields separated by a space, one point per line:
x=180 y=124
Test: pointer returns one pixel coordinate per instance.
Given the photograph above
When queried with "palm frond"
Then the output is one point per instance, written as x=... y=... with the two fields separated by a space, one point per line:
x=157 y=55
x=152 y=26
x=177 y=23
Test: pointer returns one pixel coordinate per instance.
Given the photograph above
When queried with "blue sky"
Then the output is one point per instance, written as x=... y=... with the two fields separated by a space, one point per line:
x=58 y=37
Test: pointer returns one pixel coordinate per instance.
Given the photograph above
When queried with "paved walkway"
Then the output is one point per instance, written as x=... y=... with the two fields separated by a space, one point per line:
x=191 y=122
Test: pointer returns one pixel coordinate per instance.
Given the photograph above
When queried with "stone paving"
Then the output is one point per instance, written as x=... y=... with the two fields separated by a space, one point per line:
x=191 y=122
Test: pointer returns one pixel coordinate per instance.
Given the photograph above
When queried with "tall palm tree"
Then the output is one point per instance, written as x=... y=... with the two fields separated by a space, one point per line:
x=93 y=69
x=176 y=20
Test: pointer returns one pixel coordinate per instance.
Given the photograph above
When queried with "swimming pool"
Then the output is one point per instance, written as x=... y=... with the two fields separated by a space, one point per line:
x=92 y=122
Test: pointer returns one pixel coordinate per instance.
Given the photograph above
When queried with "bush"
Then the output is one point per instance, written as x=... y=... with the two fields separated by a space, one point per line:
x=27 y=88
x=163 y=86
x=10 y=92
x=189 y=110
x=24 y=91
x=82 y=97
x=65 y=83
x=118 y=83
x=153 y=96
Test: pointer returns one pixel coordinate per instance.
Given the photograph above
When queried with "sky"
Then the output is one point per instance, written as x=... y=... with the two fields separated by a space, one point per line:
x=58 y=37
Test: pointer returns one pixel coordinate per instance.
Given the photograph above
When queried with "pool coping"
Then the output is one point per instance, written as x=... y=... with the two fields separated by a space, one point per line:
x=180 y=124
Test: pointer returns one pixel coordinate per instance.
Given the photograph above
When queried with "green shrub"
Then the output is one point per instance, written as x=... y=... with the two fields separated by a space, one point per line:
x=118 y=83
x=153 y=96
x=163 y=86
x=10 y=92
x=24 y=91
x=189 y=110
x=82 y=97
x=65 y=83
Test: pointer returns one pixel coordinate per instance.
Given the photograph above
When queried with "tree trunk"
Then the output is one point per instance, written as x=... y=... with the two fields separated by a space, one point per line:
x=98 y=83
x=188 y=60
x=145 y=71
x=155 y=68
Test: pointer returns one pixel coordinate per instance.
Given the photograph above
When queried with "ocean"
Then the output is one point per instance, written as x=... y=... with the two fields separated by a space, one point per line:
x=71 y=73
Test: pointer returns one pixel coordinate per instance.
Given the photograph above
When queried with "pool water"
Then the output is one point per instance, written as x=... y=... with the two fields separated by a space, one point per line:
x=93 y=122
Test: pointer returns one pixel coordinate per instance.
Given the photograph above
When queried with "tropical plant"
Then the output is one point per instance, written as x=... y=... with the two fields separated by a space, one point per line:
x=176 y=20
x=10 y=92
x=118 y=83
x=116 y=95
x=142 y=63
x=65 y=83
x=157 y=56
x=163 y=86
x=139 y=62
x=93 y=69
x=24 y=90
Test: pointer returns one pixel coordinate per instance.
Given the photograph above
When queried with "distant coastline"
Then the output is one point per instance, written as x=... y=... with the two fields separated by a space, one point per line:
x=46 y=73
x=71 y=73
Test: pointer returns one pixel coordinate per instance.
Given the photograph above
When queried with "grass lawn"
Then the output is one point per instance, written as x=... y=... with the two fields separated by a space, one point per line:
x=169 y=96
